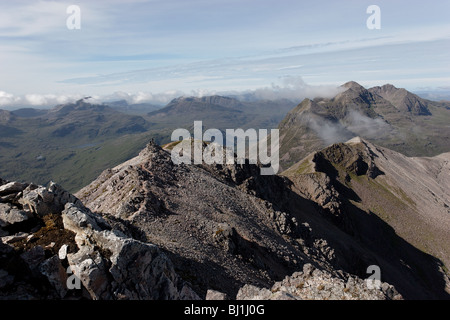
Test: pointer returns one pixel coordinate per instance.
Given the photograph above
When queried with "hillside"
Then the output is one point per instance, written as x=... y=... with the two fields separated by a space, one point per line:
x=70 y=143
x=212 y=231
x=408 y=193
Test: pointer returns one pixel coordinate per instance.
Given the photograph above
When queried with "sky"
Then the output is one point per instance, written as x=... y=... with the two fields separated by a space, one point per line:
x=155 y=50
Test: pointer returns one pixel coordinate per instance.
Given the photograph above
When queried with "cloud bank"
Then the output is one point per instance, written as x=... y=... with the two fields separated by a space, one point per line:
x=291 y=88
x=11 y=101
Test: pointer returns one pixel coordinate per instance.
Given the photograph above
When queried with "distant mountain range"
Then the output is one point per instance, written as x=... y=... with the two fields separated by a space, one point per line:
x=222 y=112
x=72 y=143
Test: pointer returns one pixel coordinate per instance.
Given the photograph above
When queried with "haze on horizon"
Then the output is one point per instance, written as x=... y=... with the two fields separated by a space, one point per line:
x=152 y=51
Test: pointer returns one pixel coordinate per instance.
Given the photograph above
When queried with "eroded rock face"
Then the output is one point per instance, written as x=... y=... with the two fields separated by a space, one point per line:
x=53 y=247
x=42 y=201
x=112 y=266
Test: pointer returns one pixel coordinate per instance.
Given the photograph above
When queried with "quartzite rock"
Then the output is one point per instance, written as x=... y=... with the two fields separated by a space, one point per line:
x=10 y=214
x=112 y=266
x=11 y=187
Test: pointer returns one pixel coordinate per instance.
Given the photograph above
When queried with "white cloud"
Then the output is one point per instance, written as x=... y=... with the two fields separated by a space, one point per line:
x=49 y=99
x=354 y=124
x=142 y=97
x=10 y=101
x=290 y=87
x=7 y=98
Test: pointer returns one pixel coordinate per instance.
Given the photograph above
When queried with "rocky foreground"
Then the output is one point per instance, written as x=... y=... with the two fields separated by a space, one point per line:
x=50 y=240
x=52 y=247
x=149 y=229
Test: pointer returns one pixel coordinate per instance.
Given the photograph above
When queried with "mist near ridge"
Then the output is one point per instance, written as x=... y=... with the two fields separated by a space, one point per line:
x=354 y=124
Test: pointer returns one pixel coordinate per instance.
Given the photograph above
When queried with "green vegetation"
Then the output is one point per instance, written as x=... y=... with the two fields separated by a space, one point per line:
x=70 y=145
x=304 y=167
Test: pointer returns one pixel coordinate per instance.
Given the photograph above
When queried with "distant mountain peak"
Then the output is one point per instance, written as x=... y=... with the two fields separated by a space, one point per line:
x=378 y=114
x=352 y=85
x=389 y=86
x=402 y=99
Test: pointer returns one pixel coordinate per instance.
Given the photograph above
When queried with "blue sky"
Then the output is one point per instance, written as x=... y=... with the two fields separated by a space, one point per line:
x=155 y=50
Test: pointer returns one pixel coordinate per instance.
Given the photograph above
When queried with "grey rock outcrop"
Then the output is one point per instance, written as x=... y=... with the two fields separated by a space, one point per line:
x=216 y=295
x=11 y=187
x=53 y=247
x=112 y=266
x=10 y=214
x=43 y=201
x=315 y=284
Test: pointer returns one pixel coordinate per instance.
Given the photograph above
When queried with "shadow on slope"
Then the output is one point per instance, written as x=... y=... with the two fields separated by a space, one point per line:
x=358 y=238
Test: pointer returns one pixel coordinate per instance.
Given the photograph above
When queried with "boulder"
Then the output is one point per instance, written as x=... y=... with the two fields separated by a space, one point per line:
x=44 y=201
x=62 y=253
x=33 y=257
x=11 y=187
x=215 y=295
x=55 y=273
x=10 y=214
x=113 y=266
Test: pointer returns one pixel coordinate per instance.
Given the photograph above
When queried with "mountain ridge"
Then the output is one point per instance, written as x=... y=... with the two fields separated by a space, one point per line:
x=299 y=217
